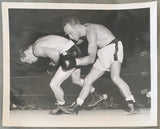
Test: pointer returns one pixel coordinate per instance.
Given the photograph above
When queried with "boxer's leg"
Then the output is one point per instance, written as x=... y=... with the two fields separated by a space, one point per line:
x=55 y=85
x=76 y=79
x=96 y=97
x=117 y=80
x=123 y=86
x=93 y=75
x=56 y=82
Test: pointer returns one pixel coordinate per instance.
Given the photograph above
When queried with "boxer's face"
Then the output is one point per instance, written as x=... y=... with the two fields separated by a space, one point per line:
x=27 y=56
x=71 y=31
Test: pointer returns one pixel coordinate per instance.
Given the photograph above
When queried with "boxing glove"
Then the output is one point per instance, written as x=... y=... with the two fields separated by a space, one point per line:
x=74 y=51
x=67 y=63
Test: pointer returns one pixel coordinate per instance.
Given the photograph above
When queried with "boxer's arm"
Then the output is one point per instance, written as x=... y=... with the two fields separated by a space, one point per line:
x=92 y=49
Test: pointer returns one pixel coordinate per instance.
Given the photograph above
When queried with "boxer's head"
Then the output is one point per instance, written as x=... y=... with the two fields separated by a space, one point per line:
x=72 y=28
x=27 y=56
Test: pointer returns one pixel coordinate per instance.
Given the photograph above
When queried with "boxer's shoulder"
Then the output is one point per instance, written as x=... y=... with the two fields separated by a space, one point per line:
x=38 y=49
x=50 y=38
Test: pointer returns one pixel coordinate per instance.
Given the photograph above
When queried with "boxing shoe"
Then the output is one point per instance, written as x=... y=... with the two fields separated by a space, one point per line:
x=74 y=108
x=132 y=108
x=97 y=98
x=61 y=109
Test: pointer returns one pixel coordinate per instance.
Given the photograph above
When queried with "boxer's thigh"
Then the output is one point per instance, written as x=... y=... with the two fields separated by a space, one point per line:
x=93 y=75
x=105 y=56
x=99 y=65
x=61 y=75
x=76 y=74
x=115 y=69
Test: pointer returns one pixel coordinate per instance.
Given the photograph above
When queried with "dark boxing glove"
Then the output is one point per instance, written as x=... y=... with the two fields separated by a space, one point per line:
x=74 y=51
x=68 y=58
x=67 y=63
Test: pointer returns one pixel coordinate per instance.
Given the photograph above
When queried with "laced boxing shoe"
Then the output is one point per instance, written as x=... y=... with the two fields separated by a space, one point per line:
x=97 y=98
x=61 y=109
x=132 y=108
x=74 y=108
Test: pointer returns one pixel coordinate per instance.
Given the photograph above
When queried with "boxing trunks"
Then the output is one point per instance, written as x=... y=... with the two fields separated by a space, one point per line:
x=108 y=54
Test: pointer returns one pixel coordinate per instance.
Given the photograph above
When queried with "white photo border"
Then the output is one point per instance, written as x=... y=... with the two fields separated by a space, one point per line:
x=6 y=57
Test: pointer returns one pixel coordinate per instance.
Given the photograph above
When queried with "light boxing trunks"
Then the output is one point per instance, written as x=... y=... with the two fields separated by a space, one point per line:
x=109 y=54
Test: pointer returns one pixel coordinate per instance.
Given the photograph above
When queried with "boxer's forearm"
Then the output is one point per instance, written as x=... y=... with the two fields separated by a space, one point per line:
x=85 y=61
x=92 y=50
x=90 y=58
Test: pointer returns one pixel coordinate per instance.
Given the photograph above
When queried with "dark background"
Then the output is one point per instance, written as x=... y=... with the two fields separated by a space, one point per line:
x=30 y=83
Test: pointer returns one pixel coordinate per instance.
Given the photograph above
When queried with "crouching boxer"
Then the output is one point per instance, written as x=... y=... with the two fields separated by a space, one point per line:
x=59 y=50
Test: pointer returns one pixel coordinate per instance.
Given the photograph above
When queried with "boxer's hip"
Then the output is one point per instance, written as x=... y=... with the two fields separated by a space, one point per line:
x=110 y=53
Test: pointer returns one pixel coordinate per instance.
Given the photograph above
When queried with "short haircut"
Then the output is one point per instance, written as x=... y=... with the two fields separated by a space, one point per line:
x=71 y=20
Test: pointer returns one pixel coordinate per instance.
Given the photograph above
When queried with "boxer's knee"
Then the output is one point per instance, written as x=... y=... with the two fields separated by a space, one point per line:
x=87 y=83
x=54 y=86
x=78 y=81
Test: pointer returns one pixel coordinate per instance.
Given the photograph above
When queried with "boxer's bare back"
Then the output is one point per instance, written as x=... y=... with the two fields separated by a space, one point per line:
x=49 y=46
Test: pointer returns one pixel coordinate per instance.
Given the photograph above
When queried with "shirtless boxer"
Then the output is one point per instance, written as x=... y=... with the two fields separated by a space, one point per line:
x=52 y=46
x=108 y=48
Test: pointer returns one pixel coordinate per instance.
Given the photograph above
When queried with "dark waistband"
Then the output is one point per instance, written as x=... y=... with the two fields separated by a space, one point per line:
x=113 y=41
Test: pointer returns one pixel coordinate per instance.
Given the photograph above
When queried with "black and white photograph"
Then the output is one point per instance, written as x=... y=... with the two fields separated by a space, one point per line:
x=79 y=65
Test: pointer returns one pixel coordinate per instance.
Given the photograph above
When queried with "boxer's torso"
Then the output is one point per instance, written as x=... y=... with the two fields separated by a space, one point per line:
x=104 y=36
x=54 y=42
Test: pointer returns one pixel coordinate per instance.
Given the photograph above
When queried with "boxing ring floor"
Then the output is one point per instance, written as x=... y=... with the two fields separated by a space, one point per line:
x=85 y=118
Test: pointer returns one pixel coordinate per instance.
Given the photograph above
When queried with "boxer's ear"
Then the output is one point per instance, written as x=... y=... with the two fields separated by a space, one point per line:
x=21 y=53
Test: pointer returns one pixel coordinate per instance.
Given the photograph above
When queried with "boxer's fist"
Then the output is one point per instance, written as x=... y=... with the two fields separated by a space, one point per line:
x=74 y=51
x=50 y=68
x=67 y=63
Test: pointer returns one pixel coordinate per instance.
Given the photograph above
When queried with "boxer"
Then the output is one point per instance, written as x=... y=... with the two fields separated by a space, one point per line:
x=58 y=49
x=101 y=43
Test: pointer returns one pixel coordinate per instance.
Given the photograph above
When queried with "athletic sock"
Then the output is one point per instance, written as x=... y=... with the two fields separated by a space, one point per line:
x=80 y=101
x=130 y=98
x=61 y=102
x=92 y=90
